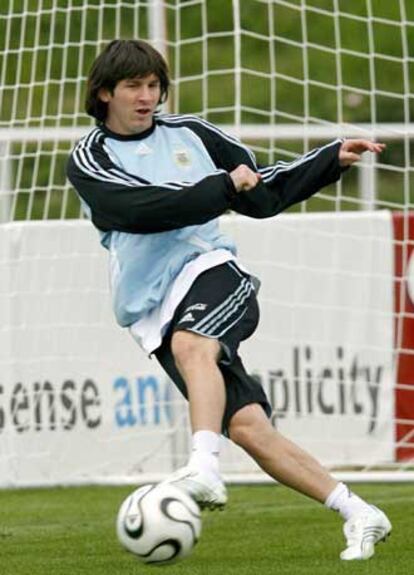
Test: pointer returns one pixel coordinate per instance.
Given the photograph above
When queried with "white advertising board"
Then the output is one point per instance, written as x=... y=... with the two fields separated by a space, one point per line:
x=79 y=402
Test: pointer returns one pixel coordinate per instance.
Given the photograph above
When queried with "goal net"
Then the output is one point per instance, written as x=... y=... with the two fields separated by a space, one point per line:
x=335 y=348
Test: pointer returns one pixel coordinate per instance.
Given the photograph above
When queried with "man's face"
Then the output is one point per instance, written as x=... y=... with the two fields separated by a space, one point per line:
x=132 y=104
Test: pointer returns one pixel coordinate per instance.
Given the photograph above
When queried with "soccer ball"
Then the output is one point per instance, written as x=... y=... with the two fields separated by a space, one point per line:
x=159 y=523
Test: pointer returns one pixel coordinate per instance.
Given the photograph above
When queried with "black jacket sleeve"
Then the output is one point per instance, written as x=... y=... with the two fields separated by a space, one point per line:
x=124 y=202
x=283 y=184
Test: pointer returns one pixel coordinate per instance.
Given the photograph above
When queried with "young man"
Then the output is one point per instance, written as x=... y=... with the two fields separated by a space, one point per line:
x=154 y=186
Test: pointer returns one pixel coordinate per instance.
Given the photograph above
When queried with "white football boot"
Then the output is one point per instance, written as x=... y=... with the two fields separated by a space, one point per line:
x=363 y=531
x=208 y=491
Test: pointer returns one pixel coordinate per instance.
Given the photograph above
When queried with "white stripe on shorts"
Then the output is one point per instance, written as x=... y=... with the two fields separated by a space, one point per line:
x=231 y=310
x=226 y=309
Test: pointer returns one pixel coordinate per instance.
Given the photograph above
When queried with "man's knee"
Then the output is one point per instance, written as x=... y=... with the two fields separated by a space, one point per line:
x=189 y=348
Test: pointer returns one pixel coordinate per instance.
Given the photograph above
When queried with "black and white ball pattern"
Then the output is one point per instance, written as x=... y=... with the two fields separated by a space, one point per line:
x=159 y=523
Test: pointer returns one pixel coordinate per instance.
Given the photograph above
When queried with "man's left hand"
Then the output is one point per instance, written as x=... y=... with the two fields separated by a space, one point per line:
x=351 y=150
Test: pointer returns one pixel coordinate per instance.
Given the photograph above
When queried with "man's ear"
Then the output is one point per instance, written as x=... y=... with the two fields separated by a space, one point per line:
x=104 y=95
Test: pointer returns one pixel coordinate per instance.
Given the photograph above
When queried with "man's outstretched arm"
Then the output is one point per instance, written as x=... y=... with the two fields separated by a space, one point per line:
x=265 y=192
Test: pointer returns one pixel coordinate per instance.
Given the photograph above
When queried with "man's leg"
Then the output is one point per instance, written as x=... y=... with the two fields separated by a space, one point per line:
x=196 y=360
x=218 y=312
x=192 y=360
x=277 y=456
x=287 y=463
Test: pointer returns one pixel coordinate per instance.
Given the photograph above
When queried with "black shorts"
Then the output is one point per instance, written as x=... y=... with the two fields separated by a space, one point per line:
x=221 y=304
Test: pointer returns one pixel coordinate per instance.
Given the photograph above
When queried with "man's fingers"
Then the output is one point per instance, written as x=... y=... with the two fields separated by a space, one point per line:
x=351 y=150
x=366 y=146
x=360 y=146
x=350 y=158
x=378 y=148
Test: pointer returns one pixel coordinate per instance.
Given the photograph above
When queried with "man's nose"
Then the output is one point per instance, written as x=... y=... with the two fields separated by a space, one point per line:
x=144 y=93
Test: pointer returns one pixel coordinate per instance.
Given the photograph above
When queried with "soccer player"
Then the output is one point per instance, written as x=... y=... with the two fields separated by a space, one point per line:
x=154 y=185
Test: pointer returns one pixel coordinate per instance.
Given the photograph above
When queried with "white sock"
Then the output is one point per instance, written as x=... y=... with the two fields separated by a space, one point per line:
x=205 y=451
x=345 y=502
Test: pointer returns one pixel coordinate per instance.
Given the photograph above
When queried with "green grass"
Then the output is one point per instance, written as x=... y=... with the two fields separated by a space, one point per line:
x=264 y=530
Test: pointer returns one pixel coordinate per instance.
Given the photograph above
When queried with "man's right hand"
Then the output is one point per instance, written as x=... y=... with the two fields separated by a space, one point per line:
x=244 y=178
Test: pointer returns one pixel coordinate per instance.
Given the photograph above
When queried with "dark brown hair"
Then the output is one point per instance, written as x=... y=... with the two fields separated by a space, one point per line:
x=120 y=60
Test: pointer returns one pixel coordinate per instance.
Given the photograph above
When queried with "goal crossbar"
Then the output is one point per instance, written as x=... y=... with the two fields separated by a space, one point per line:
x=388 y=131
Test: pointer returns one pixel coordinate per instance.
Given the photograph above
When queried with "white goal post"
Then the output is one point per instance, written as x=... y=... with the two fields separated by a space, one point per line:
x=79 y=403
